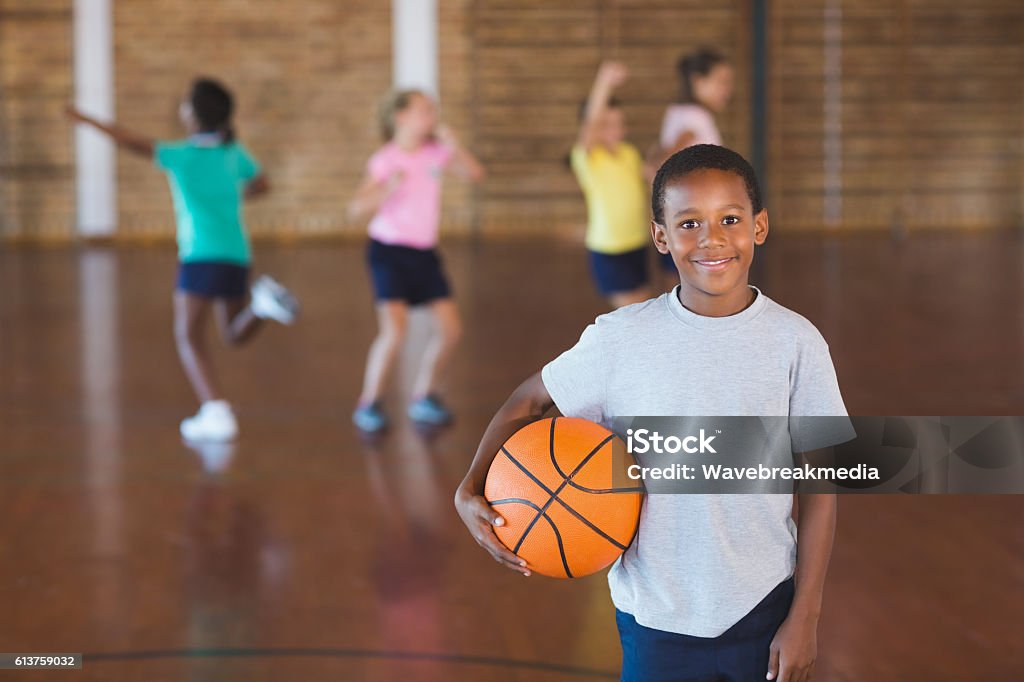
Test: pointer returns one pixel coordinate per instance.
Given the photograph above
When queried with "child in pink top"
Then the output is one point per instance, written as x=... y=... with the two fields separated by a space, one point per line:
x=409 y=216
x=402 y=192
x=705 y=88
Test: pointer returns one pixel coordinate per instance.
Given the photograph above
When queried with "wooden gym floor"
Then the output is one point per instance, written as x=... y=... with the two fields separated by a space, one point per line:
x=305 y=553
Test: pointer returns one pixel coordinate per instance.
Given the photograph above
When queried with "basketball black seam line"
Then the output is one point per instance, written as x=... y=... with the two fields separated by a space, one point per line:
x=540 y=513
x=553 y=495
x=568 y=478
x=592 y=491
x=589 y=524
x=536 y=480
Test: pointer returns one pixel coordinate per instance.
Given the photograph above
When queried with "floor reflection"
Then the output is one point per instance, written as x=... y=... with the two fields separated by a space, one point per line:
x=233 y=567
x=409 y=558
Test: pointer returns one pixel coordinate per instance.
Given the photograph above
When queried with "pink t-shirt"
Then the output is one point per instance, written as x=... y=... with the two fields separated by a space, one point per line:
x=680 y=118
x=412 y=214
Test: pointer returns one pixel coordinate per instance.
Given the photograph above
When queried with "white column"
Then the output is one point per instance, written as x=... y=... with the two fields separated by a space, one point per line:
x=414 y=44
x=100 y=386
x=96 y=165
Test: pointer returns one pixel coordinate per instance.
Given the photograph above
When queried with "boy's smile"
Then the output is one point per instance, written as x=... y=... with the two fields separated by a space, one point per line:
x=710 y=230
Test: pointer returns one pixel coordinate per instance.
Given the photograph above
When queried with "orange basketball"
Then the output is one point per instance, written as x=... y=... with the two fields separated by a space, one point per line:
x=561 y=486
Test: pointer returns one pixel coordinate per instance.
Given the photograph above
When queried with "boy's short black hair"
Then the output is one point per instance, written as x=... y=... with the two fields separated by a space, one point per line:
x=703 y=157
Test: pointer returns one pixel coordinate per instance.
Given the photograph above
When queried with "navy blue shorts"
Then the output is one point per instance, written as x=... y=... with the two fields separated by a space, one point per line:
x=738 y=654
x=666 y=263
x=402 y=273
x=615 y=273
x=213 y=279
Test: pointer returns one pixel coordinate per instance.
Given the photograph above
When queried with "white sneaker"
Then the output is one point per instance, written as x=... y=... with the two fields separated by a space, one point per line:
x=213 y=422
x=271 y=301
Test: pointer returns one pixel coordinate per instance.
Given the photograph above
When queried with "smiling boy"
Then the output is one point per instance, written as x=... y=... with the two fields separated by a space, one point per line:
x=713 y=587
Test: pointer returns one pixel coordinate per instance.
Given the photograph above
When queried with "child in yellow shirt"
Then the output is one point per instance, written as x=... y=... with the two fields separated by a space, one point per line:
x=611 y=174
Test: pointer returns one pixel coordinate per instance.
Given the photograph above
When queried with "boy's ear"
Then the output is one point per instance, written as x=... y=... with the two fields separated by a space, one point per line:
x=761 y=227
x=658 y=234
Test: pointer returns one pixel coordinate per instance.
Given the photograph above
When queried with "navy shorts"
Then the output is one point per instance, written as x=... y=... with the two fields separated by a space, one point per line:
x=738 y=654
x=213 y=279
x=619 y=272
x=402 y=273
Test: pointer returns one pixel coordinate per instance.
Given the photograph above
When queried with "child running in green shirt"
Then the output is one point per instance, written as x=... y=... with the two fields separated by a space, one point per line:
x=210 y=174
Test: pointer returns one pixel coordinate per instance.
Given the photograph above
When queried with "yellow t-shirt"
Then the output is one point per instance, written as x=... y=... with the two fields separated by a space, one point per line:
x=616 y=194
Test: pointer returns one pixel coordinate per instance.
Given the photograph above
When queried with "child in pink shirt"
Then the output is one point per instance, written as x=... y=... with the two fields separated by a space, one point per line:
x=410 y=215
x=402 y=192
x=705 y=88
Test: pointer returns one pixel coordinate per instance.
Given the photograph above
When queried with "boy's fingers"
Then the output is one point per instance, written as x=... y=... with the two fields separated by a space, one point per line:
x=514 y=565
x=486 y=513
x=506 y=558
x=485 y=537
x=490 y=542
x=773 y=664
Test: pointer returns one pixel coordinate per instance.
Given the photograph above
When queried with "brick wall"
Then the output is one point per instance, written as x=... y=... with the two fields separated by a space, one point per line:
x=36 y=178
x=306 y=75
x=535 y=61
x=929 y=110
x=932 y=115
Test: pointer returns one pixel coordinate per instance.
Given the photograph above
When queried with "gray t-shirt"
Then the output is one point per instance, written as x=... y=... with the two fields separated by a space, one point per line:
x=699 y=563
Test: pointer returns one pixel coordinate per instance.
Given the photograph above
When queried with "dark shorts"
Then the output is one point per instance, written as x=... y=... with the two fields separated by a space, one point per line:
x=665 y=259
x=740 y=653
x=213 y=279
x=402 y=273
x=619 y=272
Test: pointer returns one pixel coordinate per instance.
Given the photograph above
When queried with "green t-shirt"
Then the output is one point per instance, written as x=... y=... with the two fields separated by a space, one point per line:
x=207 y=181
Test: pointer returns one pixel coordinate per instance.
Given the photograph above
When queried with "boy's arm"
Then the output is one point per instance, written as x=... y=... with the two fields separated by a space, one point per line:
x=464 y=164
x=133 y=142
x=795 y=646
x=527 y=403
x=610 y=75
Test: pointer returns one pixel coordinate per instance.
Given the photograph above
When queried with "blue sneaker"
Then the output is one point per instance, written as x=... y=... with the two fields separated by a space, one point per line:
x=370 y=418
x=430 y=410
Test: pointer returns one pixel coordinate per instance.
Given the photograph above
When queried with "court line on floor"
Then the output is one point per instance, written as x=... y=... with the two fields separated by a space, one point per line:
x=114 y=656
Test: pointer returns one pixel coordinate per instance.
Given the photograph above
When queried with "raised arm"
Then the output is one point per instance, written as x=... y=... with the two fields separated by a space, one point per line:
x=527 y=403
x=464 y=164
x=610 y=75
x=133 y=142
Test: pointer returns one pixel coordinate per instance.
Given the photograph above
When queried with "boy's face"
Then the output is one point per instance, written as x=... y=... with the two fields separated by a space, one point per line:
x=710 y=229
